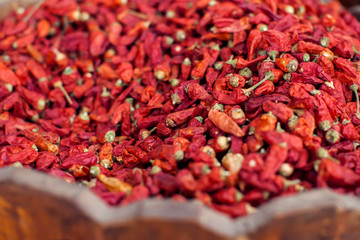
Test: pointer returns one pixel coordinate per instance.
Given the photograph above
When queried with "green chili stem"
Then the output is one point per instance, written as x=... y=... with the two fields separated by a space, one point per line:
x=263 y=28
x=354 y=88
x=288 y=183
x=218 y=66
x=306 y=57
x=355 y=51
x=323 y=153
x=332 y=136
x=250 y=89
x=245 y=72
x=232 y=61
x=272 y=54
x=324 y=42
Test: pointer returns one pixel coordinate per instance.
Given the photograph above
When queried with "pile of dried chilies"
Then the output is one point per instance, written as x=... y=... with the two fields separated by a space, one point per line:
x=231 y=103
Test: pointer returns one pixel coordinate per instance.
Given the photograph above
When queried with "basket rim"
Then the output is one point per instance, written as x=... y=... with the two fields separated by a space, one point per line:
x=166 y=209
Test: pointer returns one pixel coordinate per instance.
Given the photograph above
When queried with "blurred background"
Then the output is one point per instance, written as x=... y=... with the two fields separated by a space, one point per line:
x=350 y=2
x=6 y=5
x=353 y=6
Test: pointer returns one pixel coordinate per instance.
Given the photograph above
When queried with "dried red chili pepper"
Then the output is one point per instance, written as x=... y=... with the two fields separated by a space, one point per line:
x=287 y=63
x=40 y=142
x=221 y=102
x=84 y=159
x=225 y=123
x=253 y=41
x=197 y=92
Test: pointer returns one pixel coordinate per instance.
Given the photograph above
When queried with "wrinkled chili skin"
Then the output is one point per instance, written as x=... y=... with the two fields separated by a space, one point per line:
x=231 y=104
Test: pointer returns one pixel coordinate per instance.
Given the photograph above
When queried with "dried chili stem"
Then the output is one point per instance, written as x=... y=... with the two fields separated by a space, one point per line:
x=268 y=76
x=137 y=14
x=231 y=61
x=355 y=51
x=36 y=6
x=234 y=81
x=323 y=153
x=272 y=54
x=61 y=87
x=355 y=88
x=147 y=133
x=324 y=42
x=245 y=72
x=332 y=136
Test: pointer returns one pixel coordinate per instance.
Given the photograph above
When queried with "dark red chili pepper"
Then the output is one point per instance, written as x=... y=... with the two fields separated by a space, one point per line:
x=277 y=40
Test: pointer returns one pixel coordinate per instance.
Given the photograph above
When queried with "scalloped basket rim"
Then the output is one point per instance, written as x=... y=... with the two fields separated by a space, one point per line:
x=98 y=211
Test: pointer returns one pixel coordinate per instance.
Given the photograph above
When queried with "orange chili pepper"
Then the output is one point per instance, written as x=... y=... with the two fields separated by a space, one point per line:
x=287 y=63
x=43 y=28
x=225 y=123
x=40 y=142
x=114 y=184
x=105 y=155
x=35 y=53
x=107 y=72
